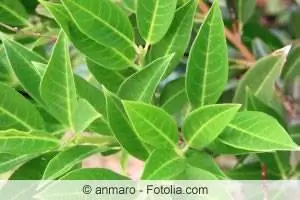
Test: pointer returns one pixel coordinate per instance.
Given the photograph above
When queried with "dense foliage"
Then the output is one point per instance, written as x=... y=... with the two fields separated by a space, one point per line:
x=157 y=80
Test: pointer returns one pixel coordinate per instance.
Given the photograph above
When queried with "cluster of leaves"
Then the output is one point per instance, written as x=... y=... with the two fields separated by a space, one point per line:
x=138 y=98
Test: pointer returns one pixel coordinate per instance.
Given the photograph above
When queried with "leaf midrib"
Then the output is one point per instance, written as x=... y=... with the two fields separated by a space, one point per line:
x=15 y=14
x=161 y=167
x=256 y=136
x=178 y=93
x=206 y=124
x=153 y=20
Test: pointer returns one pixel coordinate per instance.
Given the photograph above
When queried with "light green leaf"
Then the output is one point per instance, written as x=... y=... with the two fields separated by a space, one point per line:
x=122 y=129
x=260 y=79
x=173 y=96
x=163 y=164
x=205 y=124
x=93 y=174
x=245 y=10
x=141 y=86
x=114 y=28
x=291 y=68
x=18 y=143
x=194 y=173
x=66 y=160
x=219 y=147
x=130 y=5
x=57 y=87
x=85 y=114
x=111 y=79
x=107 y=57
x=9 y=162
x=152 y=124
x=207 y=69
x=12 y=12
x=96 y=98
x=154 y=18
x=20 y=59
x=204 y=161
x=255 y=104
x=177 y=38
x=17 y=112
x=256 y=131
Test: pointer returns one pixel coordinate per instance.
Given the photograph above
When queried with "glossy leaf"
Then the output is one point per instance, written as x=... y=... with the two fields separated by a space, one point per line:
x=122 y=129
x=256 y=131
x=260 y=79
x=20 y=59
x=93 y=174
x=205 y=162
x=163 y=164
x=177 y=38
x=245 y=10
x=9 y=162
x=194 y=173
x=255 y=104
x=152 y=125
x=66 y=160
x=205 y=124
x=111 y=79
x=13 y=13
x=141 y=86
x=154 y=18
x=85 y=114
x=291 y=68
x=57 y=87
x=173 y=96
x=207 y=68
x=107 y=57
x=17 y=112
x=96 y=98
x=16 y=143
x=114 y=28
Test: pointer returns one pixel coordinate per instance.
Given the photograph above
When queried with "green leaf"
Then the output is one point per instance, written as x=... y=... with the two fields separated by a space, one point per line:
x=256 y=131
x=204 y=161
x=246 y=9
x=17 y=143
x=163 y=164
x=152 y=124
x=57 y=87
x=17 y=112
x=20 y=59
x=207 y=69
x=154 y=18
x=9 y=162
x=141 y=86
x=220 y=147
x=173 y=96
x=255 y=104
x=107 y=57
x=93 y=174
x=205 y=124
x=177 y=38
x=291 y=68
x=85 y=114
x=13 y=13
x=96 y=98
x=276 y=162
x=194 y=173
x=122 y=129
x=66 y=160
x=114 y=30
x=260 y=79
x=111 y=79
x=130 y=5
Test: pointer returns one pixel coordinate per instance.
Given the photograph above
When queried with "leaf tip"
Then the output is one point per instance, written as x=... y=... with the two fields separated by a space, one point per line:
x=283 y=51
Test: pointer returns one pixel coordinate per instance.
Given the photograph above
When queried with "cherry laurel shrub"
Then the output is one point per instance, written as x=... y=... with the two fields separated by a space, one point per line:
x=137 y=99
